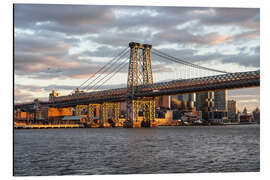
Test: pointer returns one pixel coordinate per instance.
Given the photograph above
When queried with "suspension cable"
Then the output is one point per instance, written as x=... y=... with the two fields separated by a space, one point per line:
x=106 y=69
x=119 y=69
x=113 y=70
x=103 y=67
x=161 y=54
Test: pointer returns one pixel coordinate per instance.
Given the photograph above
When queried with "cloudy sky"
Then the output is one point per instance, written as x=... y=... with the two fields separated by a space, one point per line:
x=60 y=46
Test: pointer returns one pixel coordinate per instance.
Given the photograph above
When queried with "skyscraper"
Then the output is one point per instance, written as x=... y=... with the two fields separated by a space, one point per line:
x=256 y=115
x=221 y=100
x=232 y=110
x=187 y=100
x=164 y=102
x=205 y=101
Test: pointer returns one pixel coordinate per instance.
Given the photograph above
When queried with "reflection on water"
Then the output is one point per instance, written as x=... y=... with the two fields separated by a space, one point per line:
x=136 y=151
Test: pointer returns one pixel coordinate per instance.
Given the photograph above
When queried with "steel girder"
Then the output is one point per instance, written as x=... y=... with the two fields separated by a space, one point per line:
x=226 y=81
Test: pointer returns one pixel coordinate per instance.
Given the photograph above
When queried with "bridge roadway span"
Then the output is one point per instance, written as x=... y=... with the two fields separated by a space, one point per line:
x=225 y=81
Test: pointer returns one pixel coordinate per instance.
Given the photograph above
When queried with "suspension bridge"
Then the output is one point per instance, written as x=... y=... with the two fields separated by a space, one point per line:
x=151 y=73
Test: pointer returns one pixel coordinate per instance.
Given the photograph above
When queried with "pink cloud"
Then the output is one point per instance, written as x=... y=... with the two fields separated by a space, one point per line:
x=214 y=39
x=20 y=96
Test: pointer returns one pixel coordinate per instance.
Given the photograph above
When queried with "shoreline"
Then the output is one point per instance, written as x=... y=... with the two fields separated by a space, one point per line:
x=69 y=127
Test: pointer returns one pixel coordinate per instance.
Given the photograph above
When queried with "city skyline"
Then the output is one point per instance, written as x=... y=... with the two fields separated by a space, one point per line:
x=59 y=46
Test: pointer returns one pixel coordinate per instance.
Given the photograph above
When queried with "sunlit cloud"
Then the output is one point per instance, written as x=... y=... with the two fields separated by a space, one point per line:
x=63 y=45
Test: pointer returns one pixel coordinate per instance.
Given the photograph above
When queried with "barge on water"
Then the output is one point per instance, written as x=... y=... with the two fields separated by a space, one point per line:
x=66 y=122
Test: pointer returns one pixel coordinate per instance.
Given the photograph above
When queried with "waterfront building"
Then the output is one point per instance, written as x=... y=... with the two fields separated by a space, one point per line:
x=217 y=116
x=246 y=117
x=232 y=110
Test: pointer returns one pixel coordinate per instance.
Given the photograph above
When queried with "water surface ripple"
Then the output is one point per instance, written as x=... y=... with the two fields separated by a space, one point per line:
x=136 y=151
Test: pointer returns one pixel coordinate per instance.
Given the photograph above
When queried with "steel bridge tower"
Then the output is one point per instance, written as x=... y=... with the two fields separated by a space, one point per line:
x=139 y=73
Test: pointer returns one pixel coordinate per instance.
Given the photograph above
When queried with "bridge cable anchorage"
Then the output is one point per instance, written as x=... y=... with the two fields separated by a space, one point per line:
x=171 y=58
x=113 y=70
x=105 y=69
x=114 y=73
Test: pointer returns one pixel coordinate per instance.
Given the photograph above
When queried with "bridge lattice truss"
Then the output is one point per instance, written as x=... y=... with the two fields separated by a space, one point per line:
x=140 y=91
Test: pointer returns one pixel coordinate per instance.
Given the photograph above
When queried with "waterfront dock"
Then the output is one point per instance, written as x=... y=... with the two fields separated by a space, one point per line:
x=45 y=126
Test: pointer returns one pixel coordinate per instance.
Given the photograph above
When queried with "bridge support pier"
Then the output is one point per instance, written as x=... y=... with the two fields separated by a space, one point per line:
x=147 y=107
x=104 y=108
x=92 y=112
x=116 y=113
x=113 y=121
x=80 y=108
x=104 y=115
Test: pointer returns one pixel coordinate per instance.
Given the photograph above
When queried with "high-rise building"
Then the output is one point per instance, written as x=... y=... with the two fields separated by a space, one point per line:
x=256 y=115
x=205 y=101
x=187 y=100
x=221 y=100
x=232 y=110
x=164 y=102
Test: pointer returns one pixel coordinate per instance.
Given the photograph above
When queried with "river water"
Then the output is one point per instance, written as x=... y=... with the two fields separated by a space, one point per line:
x=137 y=151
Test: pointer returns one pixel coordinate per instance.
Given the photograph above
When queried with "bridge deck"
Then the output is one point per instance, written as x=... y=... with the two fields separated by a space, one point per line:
x=225 y=81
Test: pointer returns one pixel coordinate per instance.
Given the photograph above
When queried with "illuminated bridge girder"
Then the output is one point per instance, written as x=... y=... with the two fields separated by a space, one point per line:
x=227 y=81
x=103 y=109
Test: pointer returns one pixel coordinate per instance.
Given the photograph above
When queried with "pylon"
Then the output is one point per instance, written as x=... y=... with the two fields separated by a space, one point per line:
x=139 y=73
